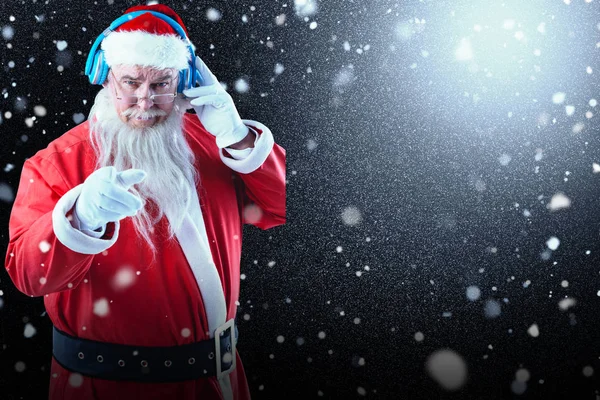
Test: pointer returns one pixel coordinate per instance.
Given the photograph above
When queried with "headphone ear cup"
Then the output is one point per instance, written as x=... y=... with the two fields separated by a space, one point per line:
x=104 y=68
x=99 y=69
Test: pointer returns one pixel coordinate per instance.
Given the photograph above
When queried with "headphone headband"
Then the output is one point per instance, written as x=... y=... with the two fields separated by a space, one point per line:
x=97 y=69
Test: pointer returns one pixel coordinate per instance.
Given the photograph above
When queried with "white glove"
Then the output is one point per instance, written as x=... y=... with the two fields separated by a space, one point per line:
x=215 y=108
x=105 y=198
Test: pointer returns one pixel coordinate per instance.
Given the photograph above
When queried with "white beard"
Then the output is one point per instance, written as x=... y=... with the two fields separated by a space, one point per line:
x=161 y=151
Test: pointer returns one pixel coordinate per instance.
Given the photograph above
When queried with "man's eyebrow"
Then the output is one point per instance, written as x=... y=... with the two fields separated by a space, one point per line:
x=160 y=78
x=133 y=78
x=164 y=77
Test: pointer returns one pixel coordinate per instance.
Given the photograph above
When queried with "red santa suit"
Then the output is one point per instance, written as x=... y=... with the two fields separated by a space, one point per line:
x=190 y=288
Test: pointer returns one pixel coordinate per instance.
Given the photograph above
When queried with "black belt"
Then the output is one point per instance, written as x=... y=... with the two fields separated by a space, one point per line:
x=146 y=364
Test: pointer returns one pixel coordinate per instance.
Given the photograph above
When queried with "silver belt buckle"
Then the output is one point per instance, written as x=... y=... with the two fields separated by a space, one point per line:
x=221 y=329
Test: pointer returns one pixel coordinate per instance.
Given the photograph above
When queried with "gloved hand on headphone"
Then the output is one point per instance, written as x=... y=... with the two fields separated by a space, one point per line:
x=215 y=108
x=105 y=197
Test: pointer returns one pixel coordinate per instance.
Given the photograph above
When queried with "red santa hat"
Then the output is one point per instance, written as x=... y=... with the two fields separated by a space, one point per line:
x=148 y=41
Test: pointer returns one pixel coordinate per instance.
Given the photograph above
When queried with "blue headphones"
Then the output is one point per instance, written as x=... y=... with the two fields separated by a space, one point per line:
x=97 y=70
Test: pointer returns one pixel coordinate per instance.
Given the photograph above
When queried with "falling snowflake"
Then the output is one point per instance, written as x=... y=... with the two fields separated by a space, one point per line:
x=305 y=8
x=351 y=216
x=447 y=368
x=44 y=246
x=559 y=201
x=553 y=243
x=214 y=15
x=241 y=86
x=533 y=330
x=558 y=97
x=29 y=331
x=101 y=307
x=473 y=293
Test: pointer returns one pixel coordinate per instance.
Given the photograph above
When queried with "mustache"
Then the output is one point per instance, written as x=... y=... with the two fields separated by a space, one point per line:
x=151 y=113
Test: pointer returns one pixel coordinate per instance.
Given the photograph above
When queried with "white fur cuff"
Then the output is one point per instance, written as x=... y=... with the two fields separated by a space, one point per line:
x=71 y=237
x=262 y=148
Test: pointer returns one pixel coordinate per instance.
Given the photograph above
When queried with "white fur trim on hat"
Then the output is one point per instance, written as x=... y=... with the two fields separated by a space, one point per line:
x=146 y=50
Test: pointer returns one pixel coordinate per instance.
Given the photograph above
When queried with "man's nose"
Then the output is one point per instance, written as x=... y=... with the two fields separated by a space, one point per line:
x=145 y=103
x=143 y=98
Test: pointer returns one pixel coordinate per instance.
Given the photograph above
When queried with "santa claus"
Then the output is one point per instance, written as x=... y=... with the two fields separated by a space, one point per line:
x=130 y=224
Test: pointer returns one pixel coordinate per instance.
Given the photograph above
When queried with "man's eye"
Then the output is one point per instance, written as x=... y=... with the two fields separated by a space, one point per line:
x=130 y=83
x=162 y=84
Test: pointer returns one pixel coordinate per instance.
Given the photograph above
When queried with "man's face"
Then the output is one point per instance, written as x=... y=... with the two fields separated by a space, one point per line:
x=130 y=80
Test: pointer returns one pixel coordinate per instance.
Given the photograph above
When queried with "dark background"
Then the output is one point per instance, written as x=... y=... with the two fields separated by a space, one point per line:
x=396 y=136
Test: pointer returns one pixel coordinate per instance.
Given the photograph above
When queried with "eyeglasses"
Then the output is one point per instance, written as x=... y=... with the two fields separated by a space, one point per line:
x=161 y=98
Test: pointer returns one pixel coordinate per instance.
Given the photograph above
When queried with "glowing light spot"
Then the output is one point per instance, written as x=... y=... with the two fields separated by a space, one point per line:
x=508 y=24
x=464 y=52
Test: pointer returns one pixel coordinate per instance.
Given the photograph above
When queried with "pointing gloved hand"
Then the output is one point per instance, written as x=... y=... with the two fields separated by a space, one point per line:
x=105 y=197
x=215 y=108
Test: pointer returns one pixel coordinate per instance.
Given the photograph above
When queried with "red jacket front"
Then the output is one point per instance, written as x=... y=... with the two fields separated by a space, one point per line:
x=162 y=304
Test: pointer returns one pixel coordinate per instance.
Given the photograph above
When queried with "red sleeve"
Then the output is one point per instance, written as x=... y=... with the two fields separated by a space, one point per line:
x=36 y=261
x=265 y=192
